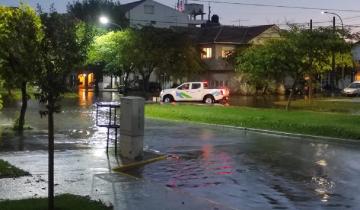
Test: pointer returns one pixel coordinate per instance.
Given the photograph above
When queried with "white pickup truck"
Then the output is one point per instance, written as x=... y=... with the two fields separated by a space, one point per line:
x=194 y=91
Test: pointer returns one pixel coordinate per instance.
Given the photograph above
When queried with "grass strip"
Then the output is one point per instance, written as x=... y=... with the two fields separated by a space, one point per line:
x=62 y=202
x=324 y=105
x=303 y=122
x=9 y=171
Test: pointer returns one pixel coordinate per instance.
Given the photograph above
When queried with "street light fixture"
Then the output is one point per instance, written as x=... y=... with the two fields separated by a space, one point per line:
x=333 y=13
x=105 y=21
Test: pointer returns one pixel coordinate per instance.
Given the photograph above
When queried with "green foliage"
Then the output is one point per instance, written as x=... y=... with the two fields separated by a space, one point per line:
x=111 y=50
x=9 y=171
x=145 y=50
x=305 y=122
x=298 y=53
x=62 y=202
x=20 y=34
x=325 y=105
x=1 y=87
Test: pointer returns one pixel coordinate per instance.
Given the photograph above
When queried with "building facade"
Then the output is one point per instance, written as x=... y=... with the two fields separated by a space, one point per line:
x=356 y=58
x=149 y=12
x=218 y=42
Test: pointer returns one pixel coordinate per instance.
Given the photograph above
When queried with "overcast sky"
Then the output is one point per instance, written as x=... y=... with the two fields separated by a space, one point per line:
x=253 y=15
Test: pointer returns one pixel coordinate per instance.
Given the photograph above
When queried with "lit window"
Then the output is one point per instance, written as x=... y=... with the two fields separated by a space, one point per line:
x=149 y=9
x=206 y=53
x=226 y=51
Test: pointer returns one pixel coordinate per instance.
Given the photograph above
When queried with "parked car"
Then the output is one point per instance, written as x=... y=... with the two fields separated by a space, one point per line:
x=353 y=89
x=194 y=91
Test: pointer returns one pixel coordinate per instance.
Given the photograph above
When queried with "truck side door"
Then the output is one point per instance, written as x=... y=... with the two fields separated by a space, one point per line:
x=182 y=93
x=196 y=91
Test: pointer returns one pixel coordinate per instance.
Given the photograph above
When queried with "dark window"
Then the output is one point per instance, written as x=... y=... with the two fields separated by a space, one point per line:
x=196 y=86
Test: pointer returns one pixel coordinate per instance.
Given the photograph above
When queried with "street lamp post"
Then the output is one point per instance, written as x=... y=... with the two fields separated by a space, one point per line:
x=333 y=53
x=333 y=13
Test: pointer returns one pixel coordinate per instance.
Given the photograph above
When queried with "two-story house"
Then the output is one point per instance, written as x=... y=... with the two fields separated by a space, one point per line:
x=218 y=41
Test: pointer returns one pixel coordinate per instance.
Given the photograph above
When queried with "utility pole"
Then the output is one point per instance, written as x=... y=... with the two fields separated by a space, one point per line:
x=310 y=81
x=332 y=74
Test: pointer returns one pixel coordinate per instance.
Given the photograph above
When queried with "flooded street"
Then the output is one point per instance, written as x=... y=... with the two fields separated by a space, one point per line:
x=246 y=170
x=235 y=168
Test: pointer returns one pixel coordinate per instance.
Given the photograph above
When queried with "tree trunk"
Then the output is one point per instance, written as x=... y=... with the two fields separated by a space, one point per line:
x=264 y=90
x=51 y=155
x=145 y=78
x=24 y=99
x=291 y=95
x=126 y=82
x=310 y=88
x=111 y=81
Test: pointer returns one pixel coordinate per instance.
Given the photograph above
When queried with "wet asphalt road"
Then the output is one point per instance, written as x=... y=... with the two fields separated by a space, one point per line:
x=232 y=168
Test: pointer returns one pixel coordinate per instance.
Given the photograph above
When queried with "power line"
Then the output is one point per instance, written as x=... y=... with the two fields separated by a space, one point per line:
x=278 y=6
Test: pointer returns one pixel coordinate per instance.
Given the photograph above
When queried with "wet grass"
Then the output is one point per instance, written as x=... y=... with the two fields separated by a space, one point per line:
x=304 y=122
x=62 y=202
x=324 y=105
x=9 y=171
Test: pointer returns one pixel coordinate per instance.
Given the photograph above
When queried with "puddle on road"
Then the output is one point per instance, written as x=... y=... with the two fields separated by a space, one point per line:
x=260 y=176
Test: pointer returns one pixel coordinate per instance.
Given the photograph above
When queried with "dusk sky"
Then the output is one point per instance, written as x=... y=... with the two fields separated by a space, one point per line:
x=256 y=15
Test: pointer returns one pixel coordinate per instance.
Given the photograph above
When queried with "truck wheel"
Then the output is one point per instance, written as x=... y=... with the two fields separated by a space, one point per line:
x=167 y=99
x=209 y=99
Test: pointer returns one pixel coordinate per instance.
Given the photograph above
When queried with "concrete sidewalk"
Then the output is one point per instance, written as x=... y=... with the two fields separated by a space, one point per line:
x=88 y=173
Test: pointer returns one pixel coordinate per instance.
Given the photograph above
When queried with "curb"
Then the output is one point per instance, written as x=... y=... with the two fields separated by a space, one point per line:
x=138 y=164
x=280 y=133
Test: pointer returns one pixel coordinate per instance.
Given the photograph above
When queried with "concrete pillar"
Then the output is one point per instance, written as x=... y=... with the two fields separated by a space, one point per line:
x=132 y=127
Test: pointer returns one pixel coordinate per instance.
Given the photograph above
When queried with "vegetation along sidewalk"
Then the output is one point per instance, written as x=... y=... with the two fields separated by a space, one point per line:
x=338 y=125
x=62 y=202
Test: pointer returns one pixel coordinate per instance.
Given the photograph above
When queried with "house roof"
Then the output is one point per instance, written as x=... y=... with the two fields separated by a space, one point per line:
x=231 y=34
x=129 y=6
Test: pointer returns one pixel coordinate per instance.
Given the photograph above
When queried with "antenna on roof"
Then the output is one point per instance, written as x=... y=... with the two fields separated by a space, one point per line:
x=240 y=20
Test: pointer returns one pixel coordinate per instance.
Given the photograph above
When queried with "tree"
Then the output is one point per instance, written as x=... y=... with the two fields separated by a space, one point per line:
x=113 y=50
x=126 y=52
x=20 y=34
x=60 y=52
x=181 y=58
x=297 y=54
x=171 y=52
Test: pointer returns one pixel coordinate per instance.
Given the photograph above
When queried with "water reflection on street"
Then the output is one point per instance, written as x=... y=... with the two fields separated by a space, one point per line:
x=247 y=170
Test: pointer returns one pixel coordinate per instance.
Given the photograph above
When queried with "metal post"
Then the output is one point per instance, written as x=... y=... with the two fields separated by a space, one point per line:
x=332 y=74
